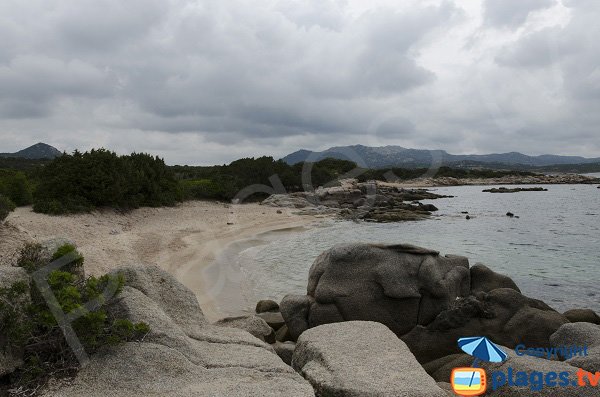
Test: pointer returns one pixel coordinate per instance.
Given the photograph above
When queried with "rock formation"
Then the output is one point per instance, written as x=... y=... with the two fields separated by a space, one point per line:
x=426 y=299
x=360 y=359
x=183 y=355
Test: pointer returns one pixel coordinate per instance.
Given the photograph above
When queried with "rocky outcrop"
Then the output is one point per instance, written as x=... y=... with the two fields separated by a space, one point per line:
x=426 y=299
x=503 y=315
x=583 y=335
x=255 y=325
x=183 y=355
x=370 y=201
x=582 y=315
x=484 y=279
x=397 y=285
x=515 y=190
x=360 y=359
x=10 y=359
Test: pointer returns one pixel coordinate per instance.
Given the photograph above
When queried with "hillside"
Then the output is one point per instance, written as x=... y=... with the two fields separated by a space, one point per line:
x=398 y=156
x=37 y=151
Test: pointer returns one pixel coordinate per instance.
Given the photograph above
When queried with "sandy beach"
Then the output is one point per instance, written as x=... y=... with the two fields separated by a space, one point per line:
x=183 y=240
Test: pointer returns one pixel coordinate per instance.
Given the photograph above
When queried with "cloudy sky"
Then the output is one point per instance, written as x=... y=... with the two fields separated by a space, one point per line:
x=209 y=81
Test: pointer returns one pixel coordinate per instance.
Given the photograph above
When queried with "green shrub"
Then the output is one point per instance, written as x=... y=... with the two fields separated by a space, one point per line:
x=81 y=182
x=32 y=329
x=16 y=187
x=6 y=207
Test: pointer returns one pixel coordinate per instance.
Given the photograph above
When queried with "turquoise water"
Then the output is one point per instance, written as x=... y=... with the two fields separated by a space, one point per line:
x=551 y=250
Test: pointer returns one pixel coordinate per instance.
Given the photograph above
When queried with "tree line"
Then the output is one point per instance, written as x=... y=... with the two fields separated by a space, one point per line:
x=81 y=182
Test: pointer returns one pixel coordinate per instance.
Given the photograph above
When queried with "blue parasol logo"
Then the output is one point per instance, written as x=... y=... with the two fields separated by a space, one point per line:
x=482 y=349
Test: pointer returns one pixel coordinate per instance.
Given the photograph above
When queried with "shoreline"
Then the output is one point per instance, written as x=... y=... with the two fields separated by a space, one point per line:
x=184 y=240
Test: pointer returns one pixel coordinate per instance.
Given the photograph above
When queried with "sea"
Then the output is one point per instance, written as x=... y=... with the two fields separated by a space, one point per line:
x=551 y=248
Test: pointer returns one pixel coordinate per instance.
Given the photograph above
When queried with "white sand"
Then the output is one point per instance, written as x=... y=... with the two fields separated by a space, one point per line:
x=182 y=240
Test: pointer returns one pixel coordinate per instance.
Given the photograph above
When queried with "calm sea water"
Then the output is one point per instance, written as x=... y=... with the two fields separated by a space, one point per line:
x=551 y=250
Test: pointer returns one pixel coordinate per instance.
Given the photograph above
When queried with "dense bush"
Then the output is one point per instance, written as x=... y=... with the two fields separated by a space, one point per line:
x=6 y=206
x=224 y=182
x=83 y=181
x=16 y=186
x=28 y=326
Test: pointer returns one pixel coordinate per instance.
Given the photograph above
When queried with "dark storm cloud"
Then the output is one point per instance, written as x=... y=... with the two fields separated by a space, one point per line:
x=212 y=80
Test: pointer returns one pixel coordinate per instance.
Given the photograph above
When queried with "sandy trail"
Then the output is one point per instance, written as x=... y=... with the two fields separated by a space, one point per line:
x=183 y=240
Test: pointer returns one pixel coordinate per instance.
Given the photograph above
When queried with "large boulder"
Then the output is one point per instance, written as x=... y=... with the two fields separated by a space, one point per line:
x=484 y=279
x=360 y=359
x=400 y=286
x=582 y=315
x=183 y=355
x=536 y=370
x=11 y=358
x=503 y=315
x=582 y=335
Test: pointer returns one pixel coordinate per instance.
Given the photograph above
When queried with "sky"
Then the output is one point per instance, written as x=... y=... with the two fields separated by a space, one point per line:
x=207 y=82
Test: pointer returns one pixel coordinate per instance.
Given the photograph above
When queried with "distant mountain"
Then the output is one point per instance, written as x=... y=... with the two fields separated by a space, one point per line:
x=398 y=156
x=37 y=151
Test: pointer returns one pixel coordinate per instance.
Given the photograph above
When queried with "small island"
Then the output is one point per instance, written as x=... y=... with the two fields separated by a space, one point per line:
x=515 y=190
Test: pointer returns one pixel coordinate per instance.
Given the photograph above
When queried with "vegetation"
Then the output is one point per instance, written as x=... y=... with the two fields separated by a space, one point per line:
x=16 y=186
x=81 y=182
x=28 y=327
x=6 y=206
x=225 y=181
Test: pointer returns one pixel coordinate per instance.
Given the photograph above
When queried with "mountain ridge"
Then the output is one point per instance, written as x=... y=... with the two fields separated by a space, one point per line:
x=38 y=151
x=398 y=156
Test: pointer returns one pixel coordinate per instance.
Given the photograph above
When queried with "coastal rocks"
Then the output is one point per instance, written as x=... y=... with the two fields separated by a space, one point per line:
x=285 y=350
x=537 y=179
x=255 y=325
x=584 y=335
x=272 y=319
x=183 y=354
x=504 y=315
x=515 y=190
x=295 y=310
x=360 y=359
x=9 y=277
x=483 y=279
x=441 y=369
x=394 y=215
x=267 y=305
x=582 y=315
x=370 y=201
x=292 y=200
x=397 y=285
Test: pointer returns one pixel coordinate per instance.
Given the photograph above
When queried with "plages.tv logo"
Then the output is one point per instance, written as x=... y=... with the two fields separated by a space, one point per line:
x=472 y=381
